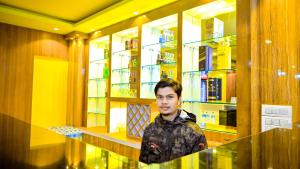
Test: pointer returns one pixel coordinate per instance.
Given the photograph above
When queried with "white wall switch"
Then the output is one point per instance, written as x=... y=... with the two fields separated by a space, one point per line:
x=273 y=116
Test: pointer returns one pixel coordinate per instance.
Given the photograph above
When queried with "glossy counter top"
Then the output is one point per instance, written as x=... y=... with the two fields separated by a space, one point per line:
x=24 y=146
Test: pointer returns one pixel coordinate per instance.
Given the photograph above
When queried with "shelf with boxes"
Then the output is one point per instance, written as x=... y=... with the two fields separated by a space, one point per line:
x=124 y=63
x=159 y=53
x=209 y=65
x=97 y=81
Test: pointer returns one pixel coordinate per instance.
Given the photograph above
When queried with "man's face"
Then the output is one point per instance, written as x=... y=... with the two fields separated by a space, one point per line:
x=167 y=101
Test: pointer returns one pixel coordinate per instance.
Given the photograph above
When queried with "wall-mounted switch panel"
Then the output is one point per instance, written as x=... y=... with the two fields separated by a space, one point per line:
x=273 y=116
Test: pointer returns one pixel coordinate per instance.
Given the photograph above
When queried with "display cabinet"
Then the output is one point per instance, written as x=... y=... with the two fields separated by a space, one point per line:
x=209 y=64
x=124 y=63
x=97 y=80
x=159 y=53
x=118 y=117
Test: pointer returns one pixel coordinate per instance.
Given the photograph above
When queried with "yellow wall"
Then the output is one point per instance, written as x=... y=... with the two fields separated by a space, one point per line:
x=49 y=93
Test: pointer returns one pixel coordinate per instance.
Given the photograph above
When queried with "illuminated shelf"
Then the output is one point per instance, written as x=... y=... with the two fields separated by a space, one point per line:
x=215 y=70
x=121 y=69
x=150 y=66
x=208 y=102
x=98 y=79
x=96 y=97
x=149 y=83
x=166 y=44
x=98 y=61
x=213 y=41
x=156 y=65
x=121 y=84
x=96 y=112
x=126 y=51
x=170 y=63
x=218 y=128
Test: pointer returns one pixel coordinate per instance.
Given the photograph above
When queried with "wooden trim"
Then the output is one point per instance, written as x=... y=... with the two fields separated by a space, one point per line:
x=243 y=81
x=179 y=47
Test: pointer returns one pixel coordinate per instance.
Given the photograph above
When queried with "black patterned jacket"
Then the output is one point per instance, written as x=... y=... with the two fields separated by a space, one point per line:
x=166 y=140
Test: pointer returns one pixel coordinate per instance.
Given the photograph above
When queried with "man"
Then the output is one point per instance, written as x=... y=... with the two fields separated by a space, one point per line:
x=174 y=133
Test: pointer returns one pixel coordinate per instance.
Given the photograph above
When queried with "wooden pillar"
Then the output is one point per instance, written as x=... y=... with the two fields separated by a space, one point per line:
x=77 y=50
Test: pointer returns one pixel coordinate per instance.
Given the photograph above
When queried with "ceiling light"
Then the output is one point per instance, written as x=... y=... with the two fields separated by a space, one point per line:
x=56 y=29
x=135 y=13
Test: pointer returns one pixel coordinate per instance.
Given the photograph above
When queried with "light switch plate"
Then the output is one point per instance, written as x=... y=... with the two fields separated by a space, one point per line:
x=273 y=116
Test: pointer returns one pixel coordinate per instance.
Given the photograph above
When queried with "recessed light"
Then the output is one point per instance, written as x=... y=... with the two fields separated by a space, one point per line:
x=56 y=29
x=135 y=13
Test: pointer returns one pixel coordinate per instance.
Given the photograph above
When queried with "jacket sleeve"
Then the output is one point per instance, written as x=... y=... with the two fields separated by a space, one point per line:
x=197 y=139
x=144 y=153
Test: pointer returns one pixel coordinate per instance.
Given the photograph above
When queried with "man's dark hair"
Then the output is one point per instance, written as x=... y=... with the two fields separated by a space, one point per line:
x=168 y=82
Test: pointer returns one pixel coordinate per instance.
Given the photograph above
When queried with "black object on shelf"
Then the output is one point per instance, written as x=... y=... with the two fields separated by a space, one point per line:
x=205 y=58
x=214 y=89
x=227 y=117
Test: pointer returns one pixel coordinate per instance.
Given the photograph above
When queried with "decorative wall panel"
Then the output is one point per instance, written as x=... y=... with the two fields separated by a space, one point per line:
x=138 y=118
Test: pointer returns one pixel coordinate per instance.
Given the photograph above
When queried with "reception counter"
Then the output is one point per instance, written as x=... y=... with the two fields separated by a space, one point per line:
x=25 y=146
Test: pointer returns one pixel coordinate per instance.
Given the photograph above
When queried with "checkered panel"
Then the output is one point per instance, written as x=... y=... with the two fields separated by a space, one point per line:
x=138 y=118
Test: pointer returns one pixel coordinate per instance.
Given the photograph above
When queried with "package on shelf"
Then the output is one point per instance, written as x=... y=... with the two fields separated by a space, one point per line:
x=203 y=88
x=105 y=71
x=131 y=43
x=223 y=59
x=221 y=85
x=212 y=28
x=205 y=58
x=214 y=89
x=168 y=71
x=209 y=113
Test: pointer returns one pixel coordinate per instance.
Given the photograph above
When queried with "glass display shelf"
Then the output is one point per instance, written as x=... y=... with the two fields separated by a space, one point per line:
x=156 y=65
x=97 y=112
x=208 y=102
x=126 y=51
x=98 y=61
x=218 y=128
x=162 y=45
x=99 y=56
x=149 y=83
x=96 y=97
x=150 y=66
x=126 y=69
x=98 y=79
x=229 y=40
x=158 y=53
x=121 y=84
x=200 y=72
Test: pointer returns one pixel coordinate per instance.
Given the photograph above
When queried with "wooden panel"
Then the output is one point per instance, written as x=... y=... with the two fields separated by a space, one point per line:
x=243 y=69
x=77 y=60
x=276 y=46
x=18 y=46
